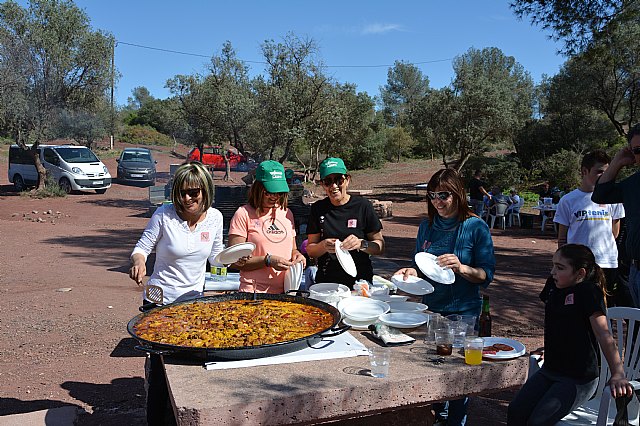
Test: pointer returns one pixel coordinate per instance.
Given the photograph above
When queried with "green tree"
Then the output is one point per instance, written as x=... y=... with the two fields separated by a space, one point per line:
x=576 y=22
x=50 y=61
x=406 y=85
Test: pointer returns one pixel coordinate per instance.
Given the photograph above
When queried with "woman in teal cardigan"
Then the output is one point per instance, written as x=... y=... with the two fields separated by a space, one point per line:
x=461 y=241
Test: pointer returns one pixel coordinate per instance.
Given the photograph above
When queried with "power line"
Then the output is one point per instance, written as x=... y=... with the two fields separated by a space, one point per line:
x=264 y=63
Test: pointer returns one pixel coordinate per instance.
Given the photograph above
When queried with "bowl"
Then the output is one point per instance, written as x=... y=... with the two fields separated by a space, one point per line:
x=362 y=309
x=330 y=293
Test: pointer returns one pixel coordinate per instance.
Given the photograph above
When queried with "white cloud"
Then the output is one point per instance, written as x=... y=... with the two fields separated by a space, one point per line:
x=380 y=28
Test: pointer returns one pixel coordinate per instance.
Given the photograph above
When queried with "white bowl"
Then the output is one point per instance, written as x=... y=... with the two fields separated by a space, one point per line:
x=330 y=293
x=362 y=309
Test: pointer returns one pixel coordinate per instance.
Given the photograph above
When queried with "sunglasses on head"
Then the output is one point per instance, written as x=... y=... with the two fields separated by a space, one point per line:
x=192 y=192
x=442 y=195
x=329 y=180
x=636 y=150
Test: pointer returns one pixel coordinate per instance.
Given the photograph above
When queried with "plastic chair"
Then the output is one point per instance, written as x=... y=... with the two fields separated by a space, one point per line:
x=601 y=410
x=498 y=211
x=548 y=219
x=515 y=212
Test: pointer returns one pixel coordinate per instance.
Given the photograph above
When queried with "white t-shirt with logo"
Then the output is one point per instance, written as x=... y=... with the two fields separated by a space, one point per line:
x=590 y=224
x=272 y=233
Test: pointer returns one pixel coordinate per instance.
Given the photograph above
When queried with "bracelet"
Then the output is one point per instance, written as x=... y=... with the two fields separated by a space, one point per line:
x=267 y=260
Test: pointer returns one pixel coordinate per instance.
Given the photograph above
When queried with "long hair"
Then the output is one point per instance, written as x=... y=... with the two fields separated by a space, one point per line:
x=451 y=181
x=192 y=175
x=256 y=197
x=580 y=256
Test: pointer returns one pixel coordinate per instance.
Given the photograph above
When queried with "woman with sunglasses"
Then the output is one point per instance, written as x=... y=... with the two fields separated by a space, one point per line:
x=184 y=235
x=268 y=223
x=462 y=242
x=348 y=218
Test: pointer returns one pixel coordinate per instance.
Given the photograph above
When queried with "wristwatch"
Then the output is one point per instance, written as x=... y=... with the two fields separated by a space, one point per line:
x=364 y=244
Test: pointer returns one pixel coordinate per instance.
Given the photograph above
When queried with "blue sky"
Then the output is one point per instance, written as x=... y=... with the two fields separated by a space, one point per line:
x=354 y=36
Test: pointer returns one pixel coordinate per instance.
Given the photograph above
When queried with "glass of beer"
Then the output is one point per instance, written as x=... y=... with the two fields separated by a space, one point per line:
x=473 y=350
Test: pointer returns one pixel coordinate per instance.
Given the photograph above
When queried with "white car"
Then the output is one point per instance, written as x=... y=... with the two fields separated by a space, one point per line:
x=74 y=168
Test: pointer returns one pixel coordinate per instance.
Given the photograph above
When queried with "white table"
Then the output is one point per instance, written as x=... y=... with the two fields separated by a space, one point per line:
x=231 y=283
x=544 y=208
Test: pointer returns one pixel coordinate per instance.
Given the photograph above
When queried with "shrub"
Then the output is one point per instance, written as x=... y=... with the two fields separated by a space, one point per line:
x=145 y=135
x=562 y=169
x=51 y=190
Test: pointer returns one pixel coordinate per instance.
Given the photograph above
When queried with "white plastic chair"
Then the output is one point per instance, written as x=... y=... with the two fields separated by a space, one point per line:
x=548 y=219
x=515 y=212
x=601 y=410
x=498 y=211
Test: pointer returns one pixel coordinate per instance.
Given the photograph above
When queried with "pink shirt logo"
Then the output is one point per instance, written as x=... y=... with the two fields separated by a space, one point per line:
x=352 y=223
x=569 y=299
x=204 y=237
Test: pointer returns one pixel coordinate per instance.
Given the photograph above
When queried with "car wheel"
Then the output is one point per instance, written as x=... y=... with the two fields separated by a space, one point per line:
x=18 y=183
x=65 y=185
x=101 y=191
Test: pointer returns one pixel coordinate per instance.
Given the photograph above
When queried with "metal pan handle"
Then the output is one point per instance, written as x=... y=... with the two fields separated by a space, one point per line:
x=152 y=351
x=147 y=306
x=335 y=331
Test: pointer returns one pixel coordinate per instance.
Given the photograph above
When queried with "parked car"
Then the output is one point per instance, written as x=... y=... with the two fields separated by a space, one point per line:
x=74 y=168
x=214 y=156
x=136 y=165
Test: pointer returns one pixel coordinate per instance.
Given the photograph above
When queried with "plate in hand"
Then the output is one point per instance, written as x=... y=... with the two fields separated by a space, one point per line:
x=293 y=277
x=345 y=260
x=429 y=266
x=234 y=253
x=413 y=285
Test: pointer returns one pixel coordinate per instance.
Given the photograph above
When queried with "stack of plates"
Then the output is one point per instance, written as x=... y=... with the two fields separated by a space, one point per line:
x=407 y=306
x=403 y=319
x=293 y=277
x=360 y=312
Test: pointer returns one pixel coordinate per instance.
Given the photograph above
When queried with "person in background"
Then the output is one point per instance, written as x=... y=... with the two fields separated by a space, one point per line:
x=345 y=217
x=581 y=221
x=477 y=193
x=575 y=324
x=545 y=191
x=498 y=197
x=462 y=242
x=514 y=197
x=184 y=235
x=607 y=191
x=267 y=222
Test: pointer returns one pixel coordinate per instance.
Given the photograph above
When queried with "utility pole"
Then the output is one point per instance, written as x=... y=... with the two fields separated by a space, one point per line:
x=113 y=79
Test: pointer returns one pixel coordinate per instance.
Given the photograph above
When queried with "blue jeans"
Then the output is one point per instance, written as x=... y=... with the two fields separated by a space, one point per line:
x=634 y=285
x=477 y=206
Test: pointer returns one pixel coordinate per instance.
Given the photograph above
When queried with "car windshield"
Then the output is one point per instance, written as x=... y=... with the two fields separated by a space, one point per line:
x=77 y=155
x=136 y=157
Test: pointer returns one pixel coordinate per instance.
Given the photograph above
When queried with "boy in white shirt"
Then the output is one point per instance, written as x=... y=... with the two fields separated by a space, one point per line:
x=581 y=221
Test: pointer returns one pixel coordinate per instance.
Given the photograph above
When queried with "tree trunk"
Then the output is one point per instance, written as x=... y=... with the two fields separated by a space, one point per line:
x=42 y=172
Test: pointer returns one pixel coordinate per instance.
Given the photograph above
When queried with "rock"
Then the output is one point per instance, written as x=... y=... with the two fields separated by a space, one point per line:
x=383 y=208
x=35 y=212
x=15 y=214
x=40 y=220
x=64 y=289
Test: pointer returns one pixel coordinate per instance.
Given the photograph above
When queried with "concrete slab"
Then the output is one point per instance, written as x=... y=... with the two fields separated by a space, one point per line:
x=61 y=416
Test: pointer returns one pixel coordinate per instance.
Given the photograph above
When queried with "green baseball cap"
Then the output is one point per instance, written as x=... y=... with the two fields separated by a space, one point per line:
x=271 y=174
x=331 y=166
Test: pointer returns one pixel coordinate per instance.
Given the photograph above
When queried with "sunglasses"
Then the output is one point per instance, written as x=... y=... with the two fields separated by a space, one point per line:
x=338 y=180
x=636 y=150
x=442 y=195
x=191 y=192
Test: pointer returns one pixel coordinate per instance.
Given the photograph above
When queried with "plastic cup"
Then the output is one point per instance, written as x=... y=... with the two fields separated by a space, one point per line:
x=459 y=330
x=471 y=322
x=379 y=358
x=473 y=350
x=444 y=341
x=434 y=321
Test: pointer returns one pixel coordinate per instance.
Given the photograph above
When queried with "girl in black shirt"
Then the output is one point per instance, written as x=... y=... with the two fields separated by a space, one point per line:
x=574 y=325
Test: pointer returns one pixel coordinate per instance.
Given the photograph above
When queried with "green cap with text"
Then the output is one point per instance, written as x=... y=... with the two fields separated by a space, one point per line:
x=331 y=166
x=271 y=174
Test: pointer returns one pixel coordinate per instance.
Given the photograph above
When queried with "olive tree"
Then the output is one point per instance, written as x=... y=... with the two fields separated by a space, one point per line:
x=50 y=61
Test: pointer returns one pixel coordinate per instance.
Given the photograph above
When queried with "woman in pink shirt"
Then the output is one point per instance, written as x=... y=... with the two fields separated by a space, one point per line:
x=268 y=223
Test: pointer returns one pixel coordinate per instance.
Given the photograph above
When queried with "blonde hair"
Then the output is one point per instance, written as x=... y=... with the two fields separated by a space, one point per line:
x=256 y=197
x=192 y=175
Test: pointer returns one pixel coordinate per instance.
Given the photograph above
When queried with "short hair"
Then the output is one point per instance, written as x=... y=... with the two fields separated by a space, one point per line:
x=192 y=175
x=592 y=158
x=451 y=181
x=634 y=131
x=256 y=196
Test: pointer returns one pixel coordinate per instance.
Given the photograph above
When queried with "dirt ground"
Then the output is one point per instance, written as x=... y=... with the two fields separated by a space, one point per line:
x=66 y=297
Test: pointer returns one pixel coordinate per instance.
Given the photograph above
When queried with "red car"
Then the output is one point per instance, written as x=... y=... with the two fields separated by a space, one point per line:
x=213 y=156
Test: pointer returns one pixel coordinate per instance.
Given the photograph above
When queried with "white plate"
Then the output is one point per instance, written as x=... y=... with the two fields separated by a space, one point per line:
x=358 y=325
x=359 y=301
x=518 y=348
x=378 y=280
x=389 y=298
x=413 y=285
x=407 y=306
x=345 y=260
x=428 y=265
x=234 y=253
x=403 y=319
x=365 y=311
